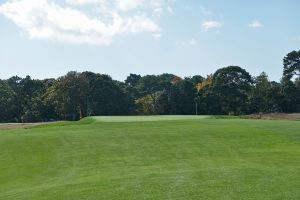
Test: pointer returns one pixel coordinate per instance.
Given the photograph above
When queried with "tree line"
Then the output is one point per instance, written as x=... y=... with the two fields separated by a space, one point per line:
x=230 y=90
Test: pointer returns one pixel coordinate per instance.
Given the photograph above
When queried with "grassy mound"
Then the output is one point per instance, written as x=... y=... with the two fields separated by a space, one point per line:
x=170 y=157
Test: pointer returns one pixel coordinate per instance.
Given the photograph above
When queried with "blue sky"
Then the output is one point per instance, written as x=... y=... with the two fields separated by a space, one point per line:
x=47 y=38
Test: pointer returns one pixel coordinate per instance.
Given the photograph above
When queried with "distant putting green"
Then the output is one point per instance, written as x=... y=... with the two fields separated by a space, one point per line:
x=164 y=157
x=147 y=118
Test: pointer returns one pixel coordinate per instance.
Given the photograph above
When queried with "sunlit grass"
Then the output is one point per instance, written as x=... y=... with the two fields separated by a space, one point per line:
x=166 y=157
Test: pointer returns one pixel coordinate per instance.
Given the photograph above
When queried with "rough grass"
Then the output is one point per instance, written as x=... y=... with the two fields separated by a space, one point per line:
x=7 y=126
x=274 y=116
x=182 y=158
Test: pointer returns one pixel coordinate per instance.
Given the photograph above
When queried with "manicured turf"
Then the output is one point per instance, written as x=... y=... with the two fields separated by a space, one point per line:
x=152 y=158
x=147 y=118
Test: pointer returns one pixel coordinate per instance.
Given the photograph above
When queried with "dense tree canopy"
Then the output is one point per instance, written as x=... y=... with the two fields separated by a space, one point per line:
x=232 y=85
x=230 y=90
x=7 y=102
x=259 y=97
x=291 y=63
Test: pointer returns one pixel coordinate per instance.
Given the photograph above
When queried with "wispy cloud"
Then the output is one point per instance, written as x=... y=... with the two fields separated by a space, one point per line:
x=157 y=36
x=170 y=10
x=255 y=24
x=207 y=25
x=82 y=2
x=126 y=5
x=46 y=19
x=188 y=43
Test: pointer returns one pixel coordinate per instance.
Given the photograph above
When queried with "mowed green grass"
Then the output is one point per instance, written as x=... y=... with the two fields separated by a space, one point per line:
x=152 y=158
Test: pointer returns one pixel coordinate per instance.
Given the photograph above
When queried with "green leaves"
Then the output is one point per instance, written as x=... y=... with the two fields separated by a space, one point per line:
x=291 y=63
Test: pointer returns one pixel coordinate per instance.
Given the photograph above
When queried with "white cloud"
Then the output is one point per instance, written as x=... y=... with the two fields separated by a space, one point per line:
x=255 y=24
x=188 y=43
x=207 y=25
x=46 y=19
x=158 y=6
x=82 y=2
x=126 y=5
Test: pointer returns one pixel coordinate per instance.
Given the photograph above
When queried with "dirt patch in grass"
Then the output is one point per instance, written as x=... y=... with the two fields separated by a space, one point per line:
x=283 y=116
x=8 y=126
